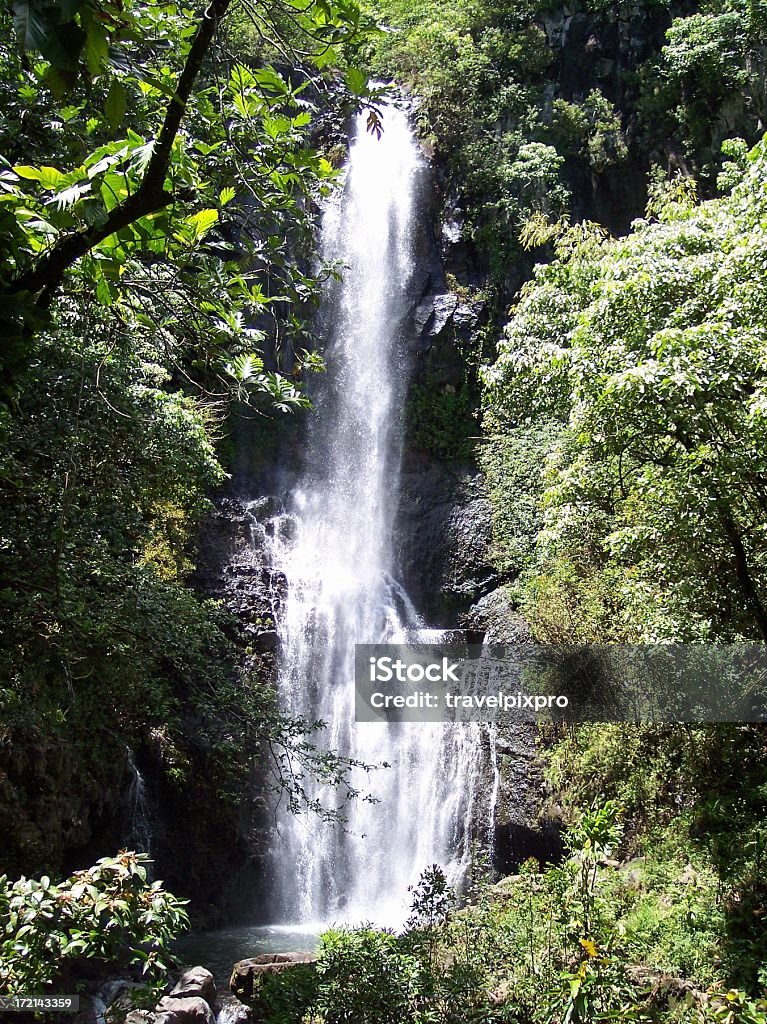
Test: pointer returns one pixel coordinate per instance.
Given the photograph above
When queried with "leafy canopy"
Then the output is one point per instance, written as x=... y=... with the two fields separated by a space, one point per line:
x=650 y=350
x=128 y=130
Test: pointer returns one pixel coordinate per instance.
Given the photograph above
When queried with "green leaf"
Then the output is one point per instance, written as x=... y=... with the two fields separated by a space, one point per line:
x=31 y=27
x=50 y=178
x=106 y=293
x=153 y=82
x=226 y=195
x=96 y=47
x=270 y=82
x=357 y=81
x=116 y=103
x=113 y=189
x=25 y=171
x=202 y=221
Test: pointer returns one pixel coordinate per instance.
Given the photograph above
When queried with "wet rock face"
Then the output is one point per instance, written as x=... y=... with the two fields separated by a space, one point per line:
x=60 y=812
x=235 y=569
x=444 y=538
x=594 y=48
x=495 y=616
x=206 y=849
x=441 y=322
x=522 y=830
x=602 y=50
x=443 y=326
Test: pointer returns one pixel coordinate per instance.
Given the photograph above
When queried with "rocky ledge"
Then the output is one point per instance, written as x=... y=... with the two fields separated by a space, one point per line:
x=261 y=987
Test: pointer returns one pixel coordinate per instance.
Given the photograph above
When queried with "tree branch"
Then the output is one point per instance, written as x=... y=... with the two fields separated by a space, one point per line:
x=44 y=278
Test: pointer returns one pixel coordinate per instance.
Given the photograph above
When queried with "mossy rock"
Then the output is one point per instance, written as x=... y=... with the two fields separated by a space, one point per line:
x=278 y=986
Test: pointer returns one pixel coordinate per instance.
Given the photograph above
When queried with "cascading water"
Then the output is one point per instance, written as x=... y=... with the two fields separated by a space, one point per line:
x=139 y=819
x=334 y=545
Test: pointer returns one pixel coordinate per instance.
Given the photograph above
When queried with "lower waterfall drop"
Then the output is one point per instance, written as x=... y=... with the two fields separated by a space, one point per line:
x=335 y=547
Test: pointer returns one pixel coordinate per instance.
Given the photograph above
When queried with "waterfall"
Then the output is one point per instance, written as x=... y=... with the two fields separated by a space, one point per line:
x=139 y=819
x=334 y=545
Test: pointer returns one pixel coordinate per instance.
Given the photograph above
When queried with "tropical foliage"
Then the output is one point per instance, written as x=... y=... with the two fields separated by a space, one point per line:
x=523 y=118
x=649 y=352
x=109 y=915
x=159 y=182
x=594 y=938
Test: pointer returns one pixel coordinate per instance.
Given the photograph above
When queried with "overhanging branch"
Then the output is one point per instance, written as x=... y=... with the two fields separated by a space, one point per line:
x=46 y=275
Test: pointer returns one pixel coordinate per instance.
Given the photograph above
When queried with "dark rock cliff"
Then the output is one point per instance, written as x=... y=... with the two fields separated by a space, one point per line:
x=209 y=847
x=603 y=50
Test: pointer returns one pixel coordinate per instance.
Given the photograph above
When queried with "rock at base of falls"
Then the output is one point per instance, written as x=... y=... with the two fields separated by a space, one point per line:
x=139 y=1017
x=276 y=980
x=195 y=981
x=496 y=616
x=191 y=1010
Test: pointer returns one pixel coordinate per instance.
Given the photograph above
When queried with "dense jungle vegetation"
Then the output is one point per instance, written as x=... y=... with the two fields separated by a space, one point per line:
x=140 y=305
x=162 y=166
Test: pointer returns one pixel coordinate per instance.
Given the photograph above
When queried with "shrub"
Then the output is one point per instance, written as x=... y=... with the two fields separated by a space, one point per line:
x=109 y=914
x=365 y=978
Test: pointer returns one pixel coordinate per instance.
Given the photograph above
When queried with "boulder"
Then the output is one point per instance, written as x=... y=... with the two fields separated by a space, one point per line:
x=278 y=985
x=248 y=975
x=495 y=615
x=189 y=1010
x=195 y=981
x=140 y=1017
x=432 y=315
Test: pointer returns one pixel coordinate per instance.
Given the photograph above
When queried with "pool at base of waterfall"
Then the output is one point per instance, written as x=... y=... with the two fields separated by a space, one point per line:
x=220 y=950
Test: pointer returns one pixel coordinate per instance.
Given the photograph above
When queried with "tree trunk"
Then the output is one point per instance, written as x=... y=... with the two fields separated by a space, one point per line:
x=752 y=599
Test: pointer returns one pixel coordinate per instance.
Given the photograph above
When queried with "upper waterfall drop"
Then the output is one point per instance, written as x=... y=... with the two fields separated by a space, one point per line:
x=335 y=547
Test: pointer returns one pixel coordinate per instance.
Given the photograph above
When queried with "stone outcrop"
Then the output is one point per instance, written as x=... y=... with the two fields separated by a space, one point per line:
x=234 y=568
x=495 y=616
x=443 y=325
x=250 y=976
x=195 y=981
x=189 y=1010
x=521 y=831
x=62 y=814
x=444 y=538
x=205 y=849
x=281 y=985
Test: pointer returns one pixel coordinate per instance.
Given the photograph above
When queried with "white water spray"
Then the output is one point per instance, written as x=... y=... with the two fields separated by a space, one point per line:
x=139 y=831
x=335 y=547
